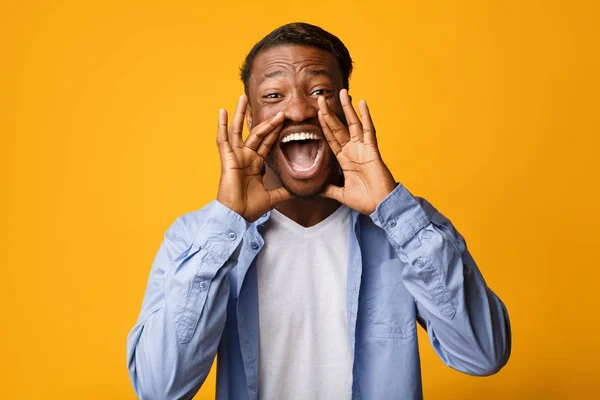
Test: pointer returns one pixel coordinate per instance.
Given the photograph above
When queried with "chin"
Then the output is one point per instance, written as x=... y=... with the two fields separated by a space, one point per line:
x=308 y=190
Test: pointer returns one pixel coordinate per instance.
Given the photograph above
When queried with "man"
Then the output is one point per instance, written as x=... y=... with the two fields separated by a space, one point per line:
x=308 y=273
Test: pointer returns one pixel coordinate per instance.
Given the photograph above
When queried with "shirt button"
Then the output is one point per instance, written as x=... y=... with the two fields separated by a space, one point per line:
x=232 y=236
x=392 y=223
x=254 y=246
x=202 y=285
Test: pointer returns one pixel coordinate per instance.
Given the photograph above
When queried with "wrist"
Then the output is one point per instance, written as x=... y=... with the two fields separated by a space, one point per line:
x=226 y=202
x=385 y=193
x=388 y=185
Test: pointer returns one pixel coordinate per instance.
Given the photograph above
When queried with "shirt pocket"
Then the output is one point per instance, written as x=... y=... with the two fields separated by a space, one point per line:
x=388 y=307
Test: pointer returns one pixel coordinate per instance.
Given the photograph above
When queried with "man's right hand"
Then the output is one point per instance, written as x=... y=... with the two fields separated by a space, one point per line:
x=241 y=186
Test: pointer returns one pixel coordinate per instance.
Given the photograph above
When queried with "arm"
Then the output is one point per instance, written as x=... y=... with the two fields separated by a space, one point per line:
x=173 y=344
x=467 y=324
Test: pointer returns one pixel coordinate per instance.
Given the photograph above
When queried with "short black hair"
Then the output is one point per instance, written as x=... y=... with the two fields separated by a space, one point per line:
x=301 y=34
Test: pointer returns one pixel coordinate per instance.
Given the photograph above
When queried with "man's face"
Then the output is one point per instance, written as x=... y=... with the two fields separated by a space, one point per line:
x=290 y=79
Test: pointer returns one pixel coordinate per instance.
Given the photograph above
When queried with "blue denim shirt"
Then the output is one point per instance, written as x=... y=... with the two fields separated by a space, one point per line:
x=406 y=264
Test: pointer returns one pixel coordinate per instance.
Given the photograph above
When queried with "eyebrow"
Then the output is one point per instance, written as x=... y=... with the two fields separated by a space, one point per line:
x=312 y=72
x=270 y=75
x=315 y=72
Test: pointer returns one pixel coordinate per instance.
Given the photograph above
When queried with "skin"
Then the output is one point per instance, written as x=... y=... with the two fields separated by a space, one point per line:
x=296 y=89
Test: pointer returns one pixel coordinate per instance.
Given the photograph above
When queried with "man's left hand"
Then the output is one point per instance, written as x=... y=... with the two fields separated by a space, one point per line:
x=367 y=180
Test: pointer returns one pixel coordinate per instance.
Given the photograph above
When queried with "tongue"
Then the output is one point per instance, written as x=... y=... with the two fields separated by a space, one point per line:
x=301 y=154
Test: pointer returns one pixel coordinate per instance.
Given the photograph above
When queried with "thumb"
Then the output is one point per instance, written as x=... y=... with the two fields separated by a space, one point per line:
x=278 y=195
x=334 y=192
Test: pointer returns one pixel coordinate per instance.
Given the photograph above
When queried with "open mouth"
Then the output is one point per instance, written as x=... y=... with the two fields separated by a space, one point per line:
x=302 y=152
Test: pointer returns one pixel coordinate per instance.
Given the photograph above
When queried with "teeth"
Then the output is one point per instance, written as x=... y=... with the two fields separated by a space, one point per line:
x=299 y=136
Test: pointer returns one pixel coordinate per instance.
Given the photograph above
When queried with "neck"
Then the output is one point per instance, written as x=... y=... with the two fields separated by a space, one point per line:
x=306 y=212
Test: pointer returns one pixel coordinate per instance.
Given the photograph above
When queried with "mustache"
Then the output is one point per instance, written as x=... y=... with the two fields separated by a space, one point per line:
x=288 y=123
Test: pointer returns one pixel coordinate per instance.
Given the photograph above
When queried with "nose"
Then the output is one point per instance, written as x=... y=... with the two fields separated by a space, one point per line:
x=300 y=108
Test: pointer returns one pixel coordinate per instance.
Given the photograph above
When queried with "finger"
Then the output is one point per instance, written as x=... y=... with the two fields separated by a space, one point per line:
x=334 y=192
x=331 y=140
x=222 y=138
x=278 y=195
x=338 y=129
x=237 y=125
x=267 y=143
x=368 y=127
x=354 y=125
x=263 y=129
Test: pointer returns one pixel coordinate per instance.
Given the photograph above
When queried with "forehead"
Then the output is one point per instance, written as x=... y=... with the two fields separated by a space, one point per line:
x=293 y=60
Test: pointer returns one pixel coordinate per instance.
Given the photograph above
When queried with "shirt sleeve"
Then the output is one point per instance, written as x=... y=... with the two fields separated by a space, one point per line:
x=467 y=324
x=171 y=348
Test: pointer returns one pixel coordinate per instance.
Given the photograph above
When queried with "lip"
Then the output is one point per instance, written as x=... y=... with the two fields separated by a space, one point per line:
x=308 y=173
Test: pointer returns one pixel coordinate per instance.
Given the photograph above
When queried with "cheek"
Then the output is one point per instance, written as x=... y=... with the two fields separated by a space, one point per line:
x=334 y=104
x=265 y=113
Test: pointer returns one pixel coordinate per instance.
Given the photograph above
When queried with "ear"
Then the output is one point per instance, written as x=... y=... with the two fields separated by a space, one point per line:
x=249 y=118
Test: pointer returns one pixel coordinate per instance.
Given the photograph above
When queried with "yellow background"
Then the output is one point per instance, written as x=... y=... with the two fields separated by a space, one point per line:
x=489 y=109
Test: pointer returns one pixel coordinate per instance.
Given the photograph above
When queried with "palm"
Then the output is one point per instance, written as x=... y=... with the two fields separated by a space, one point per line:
x=241 y=186
x=367 y=180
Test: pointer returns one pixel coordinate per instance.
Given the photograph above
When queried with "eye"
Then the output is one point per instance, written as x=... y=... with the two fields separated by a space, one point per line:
x=272 y=96
x=320 y=92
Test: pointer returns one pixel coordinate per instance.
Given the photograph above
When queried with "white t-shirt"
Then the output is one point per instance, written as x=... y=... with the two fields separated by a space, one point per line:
x=303 y=328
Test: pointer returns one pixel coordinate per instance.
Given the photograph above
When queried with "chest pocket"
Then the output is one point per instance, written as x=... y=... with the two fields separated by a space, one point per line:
x=387 y=307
